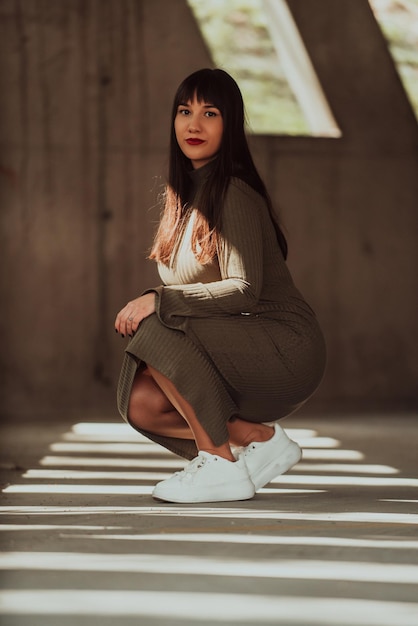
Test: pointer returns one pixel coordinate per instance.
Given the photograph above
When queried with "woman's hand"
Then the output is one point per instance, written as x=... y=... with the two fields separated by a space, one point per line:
x=129 y=318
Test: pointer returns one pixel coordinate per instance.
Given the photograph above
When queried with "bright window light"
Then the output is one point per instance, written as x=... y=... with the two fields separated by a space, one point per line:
x=250 y=539
x=258 y=43
x=317 y=442
x=121 y=429
x=168 y=510
x=36 y=527
x=70 y=474
x=112 y=429
x=115 y=490
x=175 y=463
x=345 y=468
x=192 y=607
x=349 y=571
x=123 y=433
x=397 y=500
x=118 y=490
x=358 y=481
x=289 y=479
x=398 y=20
x=109 y=448
x=77 y=474
x=146 y=447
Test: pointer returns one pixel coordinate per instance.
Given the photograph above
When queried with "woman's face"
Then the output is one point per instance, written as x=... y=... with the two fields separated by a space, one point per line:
x=199 y=128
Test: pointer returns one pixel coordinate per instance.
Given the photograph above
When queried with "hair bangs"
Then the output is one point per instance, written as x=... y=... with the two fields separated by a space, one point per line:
x=205 y=86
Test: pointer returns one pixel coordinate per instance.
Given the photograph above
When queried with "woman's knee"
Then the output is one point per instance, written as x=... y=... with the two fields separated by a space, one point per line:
x=146 y=402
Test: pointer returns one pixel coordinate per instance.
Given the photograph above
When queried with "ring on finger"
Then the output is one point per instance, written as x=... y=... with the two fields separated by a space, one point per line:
x=131 y=319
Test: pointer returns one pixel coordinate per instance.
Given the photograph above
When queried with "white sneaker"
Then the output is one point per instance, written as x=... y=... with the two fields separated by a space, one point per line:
x=207 y=478
x=267 y=459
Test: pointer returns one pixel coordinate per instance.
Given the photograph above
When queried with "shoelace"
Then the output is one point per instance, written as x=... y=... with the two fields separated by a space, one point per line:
x=193 y=467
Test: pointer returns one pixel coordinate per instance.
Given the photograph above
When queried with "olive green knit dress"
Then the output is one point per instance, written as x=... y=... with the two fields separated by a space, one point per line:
x=235 y=336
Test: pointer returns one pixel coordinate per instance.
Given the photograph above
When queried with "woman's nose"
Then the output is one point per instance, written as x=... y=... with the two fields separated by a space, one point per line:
x=194 y=125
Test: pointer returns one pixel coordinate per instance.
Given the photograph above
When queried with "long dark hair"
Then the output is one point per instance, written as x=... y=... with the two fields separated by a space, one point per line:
x=234 y=159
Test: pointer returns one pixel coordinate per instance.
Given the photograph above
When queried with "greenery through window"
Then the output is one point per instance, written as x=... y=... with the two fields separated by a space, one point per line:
x=398 y=20
x=238 y=39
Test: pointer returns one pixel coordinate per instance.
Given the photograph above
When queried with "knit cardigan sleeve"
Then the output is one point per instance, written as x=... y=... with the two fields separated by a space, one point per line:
x=240 y=257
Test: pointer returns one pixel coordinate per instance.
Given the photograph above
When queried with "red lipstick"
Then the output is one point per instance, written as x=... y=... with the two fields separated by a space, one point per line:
x=194 y=142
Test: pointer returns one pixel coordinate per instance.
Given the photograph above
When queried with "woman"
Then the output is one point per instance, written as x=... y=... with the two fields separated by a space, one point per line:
x=227 y=343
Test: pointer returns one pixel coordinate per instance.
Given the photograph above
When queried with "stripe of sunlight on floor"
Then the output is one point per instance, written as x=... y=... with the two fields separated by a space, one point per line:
x=323 y=545
x=226 y=609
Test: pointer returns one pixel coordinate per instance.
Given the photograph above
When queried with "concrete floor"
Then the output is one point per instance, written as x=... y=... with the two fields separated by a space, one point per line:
x=334 y=542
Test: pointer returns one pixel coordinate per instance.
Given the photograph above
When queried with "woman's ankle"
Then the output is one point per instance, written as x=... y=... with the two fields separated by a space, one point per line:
x=259 y=435
x=243 y=433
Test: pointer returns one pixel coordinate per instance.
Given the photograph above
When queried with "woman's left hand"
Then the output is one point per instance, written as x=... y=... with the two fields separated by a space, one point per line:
x=129 y=318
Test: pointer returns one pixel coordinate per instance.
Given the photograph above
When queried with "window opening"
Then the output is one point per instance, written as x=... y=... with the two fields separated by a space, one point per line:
x=258 y=43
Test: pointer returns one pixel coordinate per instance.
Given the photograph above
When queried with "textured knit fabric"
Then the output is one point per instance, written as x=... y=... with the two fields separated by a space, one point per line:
x=235 y=336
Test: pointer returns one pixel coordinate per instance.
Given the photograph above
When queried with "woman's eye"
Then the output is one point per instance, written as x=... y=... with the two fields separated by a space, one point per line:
x=211 y=114
x=183 y=111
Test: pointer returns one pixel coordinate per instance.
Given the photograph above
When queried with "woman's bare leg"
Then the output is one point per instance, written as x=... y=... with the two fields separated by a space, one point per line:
x=150 y=409
x=242 y=433
x=203 y=441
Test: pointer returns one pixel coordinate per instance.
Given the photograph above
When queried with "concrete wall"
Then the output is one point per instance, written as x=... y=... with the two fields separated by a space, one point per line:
x=84 y=129
x=351 y=207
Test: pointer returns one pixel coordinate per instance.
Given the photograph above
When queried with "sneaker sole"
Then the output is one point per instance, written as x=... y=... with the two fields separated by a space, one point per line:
x=291 y=455
x=242 y=492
